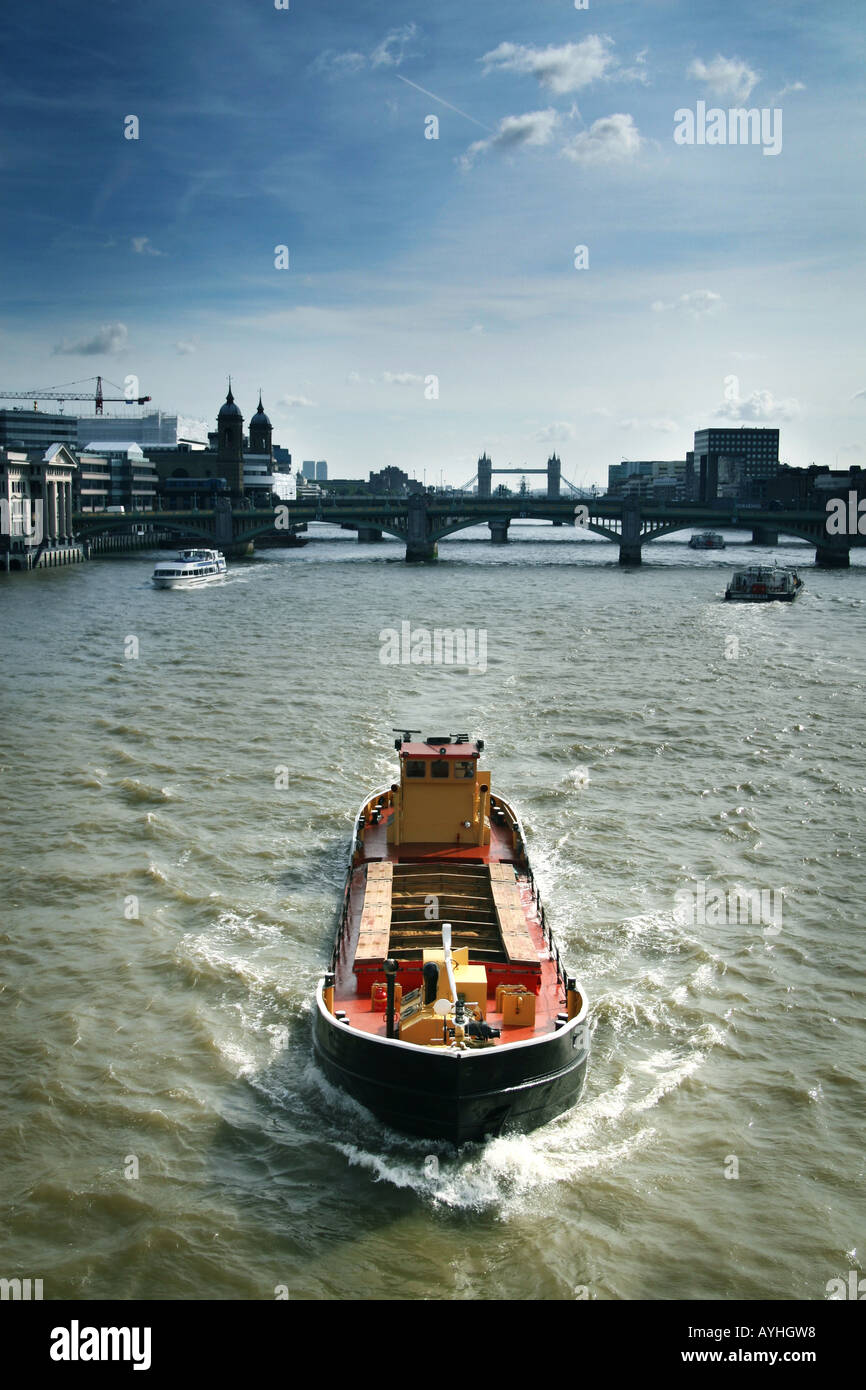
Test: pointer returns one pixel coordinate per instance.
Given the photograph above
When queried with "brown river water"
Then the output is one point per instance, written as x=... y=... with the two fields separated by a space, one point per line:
x=169 y=899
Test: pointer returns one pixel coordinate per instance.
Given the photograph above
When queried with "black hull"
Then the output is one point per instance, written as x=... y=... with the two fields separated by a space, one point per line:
x=460 y=1097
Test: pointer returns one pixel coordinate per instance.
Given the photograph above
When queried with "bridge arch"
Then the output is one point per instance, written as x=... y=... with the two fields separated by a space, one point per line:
x=86 y=529
x=372 y=523
x=464 y=523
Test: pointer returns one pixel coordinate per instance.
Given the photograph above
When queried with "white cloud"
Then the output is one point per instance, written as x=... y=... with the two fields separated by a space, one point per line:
x=143 y=246
x=185 y=347
x=513 y=132
x=859 y=396
x=388 y=53
x=477 y=329
x=657 y=426
x=566 y=68
x=558 y=433
x=402 y=378
x=392 y=50
x=293 y=402
x=354 y=377
x=609 y=140
x=788 y=88
x=697 y=304
x=761 y=405
x=725 y=76
x=338 y=64
x=638 y=73
x=108 y=338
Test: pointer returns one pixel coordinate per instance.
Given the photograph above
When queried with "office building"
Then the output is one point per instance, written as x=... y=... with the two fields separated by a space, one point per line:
x=153 y=428
x=751 y=457
x=132 y=479
x=37 y=429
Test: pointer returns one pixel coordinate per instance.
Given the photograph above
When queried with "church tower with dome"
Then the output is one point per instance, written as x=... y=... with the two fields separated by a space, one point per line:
x=230 y=443
x=261 y=432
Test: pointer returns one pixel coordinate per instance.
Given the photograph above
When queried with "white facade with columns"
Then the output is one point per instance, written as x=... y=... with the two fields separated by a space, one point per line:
x=35 y=503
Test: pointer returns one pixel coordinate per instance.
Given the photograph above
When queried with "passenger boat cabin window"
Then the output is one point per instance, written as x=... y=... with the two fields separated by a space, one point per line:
x=439 y=767
x=414 y=767
x=464 y=767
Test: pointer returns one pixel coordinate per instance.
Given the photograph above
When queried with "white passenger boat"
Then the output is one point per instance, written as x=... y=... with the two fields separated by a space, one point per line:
x=763 y=584
x=189 y=568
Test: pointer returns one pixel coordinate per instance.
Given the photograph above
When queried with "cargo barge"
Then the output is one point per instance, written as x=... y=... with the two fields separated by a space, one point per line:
x=447 y=1009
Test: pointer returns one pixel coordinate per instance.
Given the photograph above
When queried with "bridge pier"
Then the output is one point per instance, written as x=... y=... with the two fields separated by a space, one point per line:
x=498 y=532
x=630 y=534
x=764 y=535
x=417 y=551
x=419 y=544
x=832 y=557
x=368 y=534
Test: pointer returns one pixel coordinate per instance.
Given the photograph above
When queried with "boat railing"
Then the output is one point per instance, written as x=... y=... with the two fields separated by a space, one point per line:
x=344 y=918
x=546 y=933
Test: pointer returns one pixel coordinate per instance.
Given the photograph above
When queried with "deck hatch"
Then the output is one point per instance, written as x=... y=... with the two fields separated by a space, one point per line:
x=424 y=896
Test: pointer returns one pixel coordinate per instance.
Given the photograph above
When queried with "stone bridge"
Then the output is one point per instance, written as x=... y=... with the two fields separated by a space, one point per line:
x=422 y=520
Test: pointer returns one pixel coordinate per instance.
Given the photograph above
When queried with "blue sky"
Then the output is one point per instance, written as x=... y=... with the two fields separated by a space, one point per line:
x=723 y=284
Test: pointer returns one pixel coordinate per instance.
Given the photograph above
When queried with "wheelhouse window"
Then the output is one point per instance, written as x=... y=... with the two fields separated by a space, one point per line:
x=439 y=767
x=464 y=767
x=414 y=767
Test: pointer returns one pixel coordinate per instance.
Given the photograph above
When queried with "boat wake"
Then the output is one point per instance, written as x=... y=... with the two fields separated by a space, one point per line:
x=505 y=1175
x=652 y=1036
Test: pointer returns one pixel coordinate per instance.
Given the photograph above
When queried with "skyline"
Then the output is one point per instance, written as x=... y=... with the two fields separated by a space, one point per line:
x=721 y=284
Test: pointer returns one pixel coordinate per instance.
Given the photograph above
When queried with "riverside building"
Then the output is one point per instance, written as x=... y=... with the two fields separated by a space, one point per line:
x=36 y=508
x=244 y=461
x=751 y=459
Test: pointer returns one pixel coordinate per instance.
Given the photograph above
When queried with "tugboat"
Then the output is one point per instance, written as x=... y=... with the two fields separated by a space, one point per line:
x=763 y=584
x=447 y=1009
x=707 y=540
x=189 y=569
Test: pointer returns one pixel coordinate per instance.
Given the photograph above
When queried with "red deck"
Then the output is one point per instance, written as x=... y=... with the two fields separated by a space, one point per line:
x=376 y=847
x=354 y=998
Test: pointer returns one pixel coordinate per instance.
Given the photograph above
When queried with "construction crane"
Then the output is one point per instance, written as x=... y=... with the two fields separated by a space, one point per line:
x=54 y=393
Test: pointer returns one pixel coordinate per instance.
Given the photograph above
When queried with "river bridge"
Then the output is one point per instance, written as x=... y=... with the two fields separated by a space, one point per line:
x=421 y=520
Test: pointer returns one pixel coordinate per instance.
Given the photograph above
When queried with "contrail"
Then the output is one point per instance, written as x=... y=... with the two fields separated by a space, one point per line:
x=444 y=103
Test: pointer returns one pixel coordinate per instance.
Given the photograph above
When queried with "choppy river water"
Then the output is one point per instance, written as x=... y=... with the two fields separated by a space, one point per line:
x=168 y=903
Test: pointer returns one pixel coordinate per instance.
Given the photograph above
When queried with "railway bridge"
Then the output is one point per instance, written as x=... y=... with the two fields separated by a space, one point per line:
x=421 y=520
